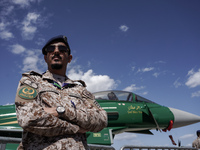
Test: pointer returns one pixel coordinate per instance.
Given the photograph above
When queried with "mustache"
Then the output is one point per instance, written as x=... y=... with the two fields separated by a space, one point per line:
x=56 y=55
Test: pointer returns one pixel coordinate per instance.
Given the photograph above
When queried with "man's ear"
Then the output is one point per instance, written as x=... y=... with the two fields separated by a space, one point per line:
x=70 y=58
x=45 y=58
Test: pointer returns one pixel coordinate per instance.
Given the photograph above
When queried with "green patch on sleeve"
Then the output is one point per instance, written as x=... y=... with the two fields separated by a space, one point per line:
x=27 y=93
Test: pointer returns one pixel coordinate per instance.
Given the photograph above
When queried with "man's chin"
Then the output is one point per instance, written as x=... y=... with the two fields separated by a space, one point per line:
x=56 y=66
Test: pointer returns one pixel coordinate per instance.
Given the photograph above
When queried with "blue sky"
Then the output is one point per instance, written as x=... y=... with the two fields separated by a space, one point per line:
x=151 y=48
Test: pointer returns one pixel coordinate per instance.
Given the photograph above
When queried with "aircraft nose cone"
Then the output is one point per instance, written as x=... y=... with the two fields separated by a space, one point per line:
x=183 y=118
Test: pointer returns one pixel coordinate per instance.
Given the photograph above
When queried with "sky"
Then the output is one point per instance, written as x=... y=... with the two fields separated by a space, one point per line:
x=151 y=48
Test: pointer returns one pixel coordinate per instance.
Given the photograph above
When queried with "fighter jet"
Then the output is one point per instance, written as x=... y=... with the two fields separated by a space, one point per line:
x=127 y=112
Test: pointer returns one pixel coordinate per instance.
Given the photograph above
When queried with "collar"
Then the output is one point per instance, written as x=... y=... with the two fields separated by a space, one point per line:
x=49 y=76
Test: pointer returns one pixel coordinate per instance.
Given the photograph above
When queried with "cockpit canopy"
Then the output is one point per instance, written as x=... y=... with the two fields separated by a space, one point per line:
x=120 y=96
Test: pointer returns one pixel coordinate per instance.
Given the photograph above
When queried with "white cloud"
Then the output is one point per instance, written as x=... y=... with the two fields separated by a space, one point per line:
x=31 y=58
x=33 y=61
x=94 y=82
x=40 y=41
x=194 y=79
x=144 y=93
x=190 y=72
x=30 y=63
x=6 y=35
x=29 y=25
x=24 y=3
x=187 y=136
x=160 y=62
x=156 y=74
x=17 y=49
x=124 y=28
x=7 y=10
x=89 y=64
x=133 y=88
x=133 y=68
x=3 y=25
x=196 y=94
x=177 y=83
x=147 y=69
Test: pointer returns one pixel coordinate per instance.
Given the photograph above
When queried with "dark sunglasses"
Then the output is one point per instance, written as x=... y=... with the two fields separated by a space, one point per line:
x=61 y=48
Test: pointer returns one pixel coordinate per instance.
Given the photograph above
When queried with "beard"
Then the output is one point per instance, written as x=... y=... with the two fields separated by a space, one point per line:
x=56 y=66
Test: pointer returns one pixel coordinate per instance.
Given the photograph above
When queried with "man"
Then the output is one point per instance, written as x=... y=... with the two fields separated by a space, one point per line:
x=196 y=143
x=54 y=111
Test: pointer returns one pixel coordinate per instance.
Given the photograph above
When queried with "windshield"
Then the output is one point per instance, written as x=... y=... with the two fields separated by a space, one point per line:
x=142 y=99
x=120 y=96
x=114 y=95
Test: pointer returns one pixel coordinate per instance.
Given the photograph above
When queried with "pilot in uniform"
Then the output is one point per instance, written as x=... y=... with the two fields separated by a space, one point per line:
x=196 y=143
x=54 y=111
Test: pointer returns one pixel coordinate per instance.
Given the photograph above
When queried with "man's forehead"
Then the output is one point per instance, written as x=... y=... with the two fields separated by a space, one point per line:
x=58 y=43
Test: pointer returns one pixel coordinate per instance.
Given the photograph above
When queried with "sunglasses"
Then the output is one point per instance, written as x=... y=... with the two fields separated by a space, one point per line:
x=61 y=48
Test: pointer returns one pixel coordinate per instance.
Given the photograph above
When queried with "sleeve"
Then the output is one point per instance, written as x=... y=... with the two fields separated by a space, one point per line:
x=193 y=144
x=88 y=114
x=32 y=118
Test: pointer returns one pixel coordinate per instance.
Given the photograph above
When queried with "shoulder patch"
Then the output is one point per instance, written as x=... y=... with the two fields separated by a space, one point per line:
x=27 y=92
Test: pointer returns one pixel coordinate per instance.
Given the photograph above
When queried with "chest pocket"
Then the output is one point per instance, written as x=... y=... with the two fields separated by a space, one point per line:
x=70 y=95
x=50 y=97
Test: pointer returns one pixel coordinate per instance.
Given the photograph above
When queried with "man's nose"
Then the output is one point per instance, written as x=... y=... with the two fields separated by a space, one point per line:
x=56 y=50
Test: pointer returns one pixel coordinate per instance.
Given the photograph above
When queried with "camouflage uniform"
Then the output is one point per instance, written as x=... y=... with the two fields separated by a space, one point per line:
x=45 y=131
x=196 y=143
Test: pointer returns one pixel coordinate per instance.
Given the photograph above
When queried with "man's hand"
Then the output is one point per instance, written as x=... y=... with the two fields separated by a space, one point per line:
x=51 y=111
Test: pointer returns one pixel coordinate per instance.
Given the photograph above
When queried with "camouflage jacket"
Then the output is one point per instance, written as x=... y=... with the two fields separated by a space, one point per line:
x=196 y=143
x=43 y=131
